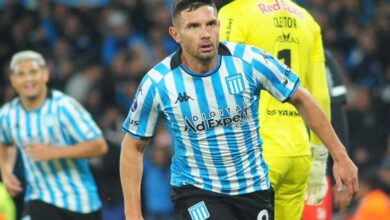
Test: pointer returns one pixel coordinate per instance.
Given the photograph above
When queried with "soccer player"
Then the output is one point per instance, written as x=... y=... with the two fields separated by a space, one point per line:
x=289 y=33
x=207 y=93
x=55 y=136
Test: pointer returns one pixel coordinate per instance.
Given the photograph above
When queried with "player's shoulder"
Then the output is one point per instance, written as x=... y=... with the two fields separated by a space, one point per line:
x=159 y=71
x=9 y=106
x=243 y=51
x=62 y=99
x=58 y=96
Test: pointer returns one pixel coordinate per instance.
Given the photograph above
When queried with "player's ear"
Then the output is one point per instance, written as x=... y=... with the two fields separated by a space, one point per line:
x=174 y=34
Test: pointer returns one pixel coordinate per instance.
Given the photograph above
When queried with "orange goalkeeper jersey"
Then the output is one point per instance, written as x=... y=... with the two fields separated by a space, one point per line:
x=291 y=34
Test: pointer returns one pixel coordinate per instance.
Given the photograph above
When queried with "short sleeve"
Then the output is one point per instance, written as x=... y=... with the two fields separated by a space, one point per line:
x=78 y=123
x=274 y=76
x=5 y=136
x=143 y=114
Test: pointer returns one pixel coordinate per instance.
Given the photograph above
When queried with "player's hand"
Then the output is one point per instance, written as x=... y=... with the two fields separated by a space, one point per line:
x=346 y=174
x=317 y=183
x=12 y=184
x=41 y=152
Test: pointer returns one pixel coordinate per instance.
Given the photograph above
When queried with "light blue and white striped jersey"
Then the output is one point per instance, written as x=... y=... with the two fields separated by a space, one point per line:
x=60 y=121
x=212 y=117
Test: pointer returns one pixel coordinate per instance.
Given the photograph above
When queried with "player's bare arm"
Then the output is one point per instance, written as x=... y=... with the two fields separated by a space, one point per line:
x=131 y=168
x=345 y=171
x=87 y=149
x=7 y=161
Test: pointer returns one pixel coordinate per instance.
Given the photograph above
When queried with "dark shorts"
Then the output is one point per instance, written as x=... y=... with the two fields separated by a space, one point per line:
x=197 y=204
x=38 y=210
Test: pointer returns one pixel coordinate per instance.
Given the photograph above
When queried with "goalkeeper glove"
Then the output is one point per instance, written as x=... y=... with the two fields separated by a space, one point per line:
x=317 y=183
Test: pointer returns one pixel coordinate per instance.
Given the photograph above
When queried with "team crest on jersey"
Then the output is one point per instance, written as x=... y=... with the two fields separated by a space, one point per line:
x=199 y=211
x=235 y=84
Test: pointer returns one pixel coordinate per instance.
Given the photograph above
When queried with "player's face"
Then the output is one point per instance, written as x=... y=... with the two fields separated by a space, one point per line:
x=29 y=79
x=197 y=32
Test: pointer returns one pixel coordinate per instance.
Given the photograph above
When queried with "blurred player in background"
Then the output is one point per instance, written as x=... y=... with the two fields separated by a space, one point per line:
x=297 y=159
x=208 y=95
x=55 y=135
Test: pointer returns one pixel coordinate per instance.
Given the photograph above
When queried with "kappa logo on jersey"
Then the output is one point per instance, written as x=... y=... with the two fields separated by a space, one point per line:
x=199 y=211
x=183 y=97
x=134 y=106
x=235 y=84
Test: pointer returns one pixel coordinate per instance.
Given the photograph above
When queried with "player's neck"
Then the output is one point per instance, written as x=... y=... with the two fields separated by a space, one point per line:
x=36 y=102
x=198 y=66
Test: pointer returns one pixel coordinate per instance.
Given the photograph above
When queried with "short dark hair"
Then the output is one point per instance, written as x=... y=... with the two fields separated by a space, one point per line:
x=190 y=5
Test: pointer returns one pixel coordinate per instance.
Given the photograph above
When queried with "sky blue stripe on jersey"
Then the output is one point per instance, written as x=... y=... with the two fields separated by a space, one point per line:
x=74 y=124
x=248 y=141
x=239 y=50
x=161 y=68
x=20 y=142
x=204 y=107
x=39 y=164
x=185 y=107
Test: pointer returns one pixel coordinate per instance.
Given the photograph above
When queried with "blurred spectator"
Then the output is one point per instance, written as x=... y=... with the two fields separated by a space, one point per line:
x=81 y=84
x=121 y=35
x=106 y=168
x=367 y=126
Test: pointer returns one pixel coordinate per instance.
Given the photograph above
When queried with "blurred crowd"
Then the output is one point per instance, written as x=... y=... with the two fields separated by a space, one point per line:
x=98 y=50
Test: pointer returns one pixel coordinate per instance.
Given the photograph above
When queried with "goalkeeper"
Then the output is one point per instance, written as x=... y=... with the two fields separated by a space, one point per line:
x=296 y=159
